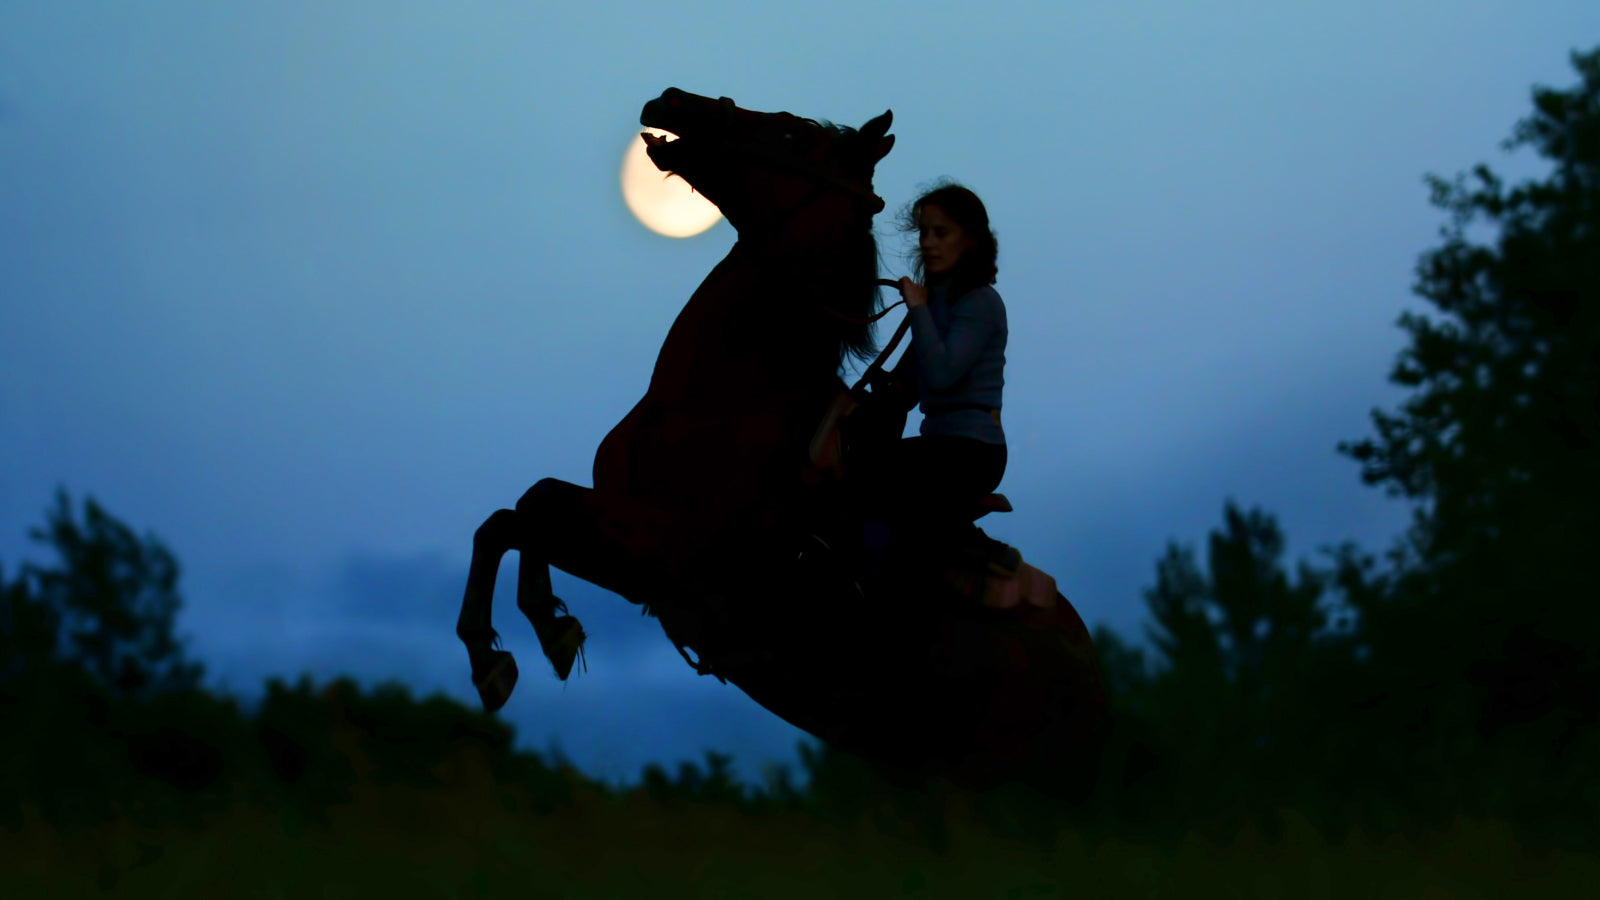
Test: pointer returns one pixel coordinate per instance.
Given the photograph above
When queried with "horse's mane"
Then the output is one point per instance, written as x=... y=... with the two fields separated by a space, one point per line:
x=853 y=289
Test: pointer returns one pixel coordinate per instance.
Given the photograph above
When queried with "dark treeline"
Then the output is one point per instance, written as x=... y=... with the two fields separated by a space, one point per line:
x=1453 y=673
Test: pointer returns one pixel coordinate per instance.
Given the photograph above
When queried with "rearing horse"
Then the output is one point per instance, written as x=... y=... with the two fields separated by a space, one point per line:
x=699 y=511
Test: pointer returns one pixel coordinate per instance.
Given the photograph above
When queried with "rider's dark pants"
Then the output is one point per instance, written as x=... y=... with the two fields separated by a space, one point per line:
x=927 y=484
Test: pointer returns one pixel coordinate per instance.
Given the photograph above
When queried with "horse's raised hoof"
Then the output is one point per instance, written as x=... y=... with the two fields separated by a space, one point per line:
x=562 y=641
x=494 y=674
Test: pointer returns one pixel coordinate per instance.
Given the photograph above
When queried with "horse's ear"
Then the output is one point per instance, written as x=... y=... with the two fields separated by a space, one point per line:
x=877 y=128
x=874 y=142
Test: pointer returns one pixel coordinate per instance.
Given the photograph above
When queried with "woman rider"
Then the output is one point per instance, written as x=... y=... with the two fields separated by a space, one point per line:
x=927 y=485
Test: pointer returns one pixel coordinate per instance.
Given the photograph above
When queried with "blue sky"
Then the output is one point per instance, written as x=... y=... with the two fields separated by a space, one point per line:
x=308 y=289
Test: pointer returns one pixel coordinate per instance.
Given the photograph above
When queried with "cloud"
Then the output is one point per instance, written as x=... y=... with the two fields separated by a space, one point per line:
x=373 y=616
x=378 y=619
x=424 y=591
x=416 y=588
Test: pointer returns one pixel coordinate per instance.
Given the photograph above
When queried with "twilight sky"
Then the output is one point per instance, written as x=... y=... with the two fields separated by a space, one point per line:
x=309 y=289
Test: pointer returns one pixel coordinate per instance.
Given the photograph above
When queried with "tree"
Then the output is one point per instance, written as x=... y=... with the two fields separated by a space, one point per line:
x=1498 y=444
x=108 y=606
x=1234 y=692
x=27 y=631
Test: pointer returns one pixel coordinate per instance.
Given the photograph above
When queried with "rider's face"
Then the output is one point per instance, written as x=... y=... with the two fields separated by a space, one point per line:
x=942 y=241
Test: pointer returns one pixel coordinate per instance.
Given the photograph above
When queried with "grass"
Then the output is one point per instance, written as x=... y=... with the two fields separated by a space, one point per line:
x=396 y=842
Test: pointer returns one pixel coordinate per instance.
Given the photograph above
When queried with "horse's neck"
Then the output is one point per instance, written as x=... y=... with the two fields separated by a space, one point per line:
x=716 y=352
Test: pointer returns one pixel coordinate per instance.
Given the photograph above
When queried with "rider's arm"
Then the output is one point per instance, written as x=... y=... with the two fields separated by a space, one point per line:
x=944 y=362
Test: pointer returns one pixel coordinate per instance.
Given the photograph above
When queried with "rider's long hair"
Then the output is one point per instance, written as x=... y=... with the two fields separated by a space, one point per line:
x=979 y=265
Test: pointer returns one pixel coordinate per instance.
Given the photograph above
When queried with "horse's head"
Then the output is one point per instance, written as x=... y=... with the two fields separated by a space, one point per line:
x=762 y=169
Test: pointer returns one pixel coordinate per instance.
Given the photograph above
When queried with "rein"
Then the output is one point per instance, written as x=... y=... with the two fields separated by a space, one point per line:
x=894 y=342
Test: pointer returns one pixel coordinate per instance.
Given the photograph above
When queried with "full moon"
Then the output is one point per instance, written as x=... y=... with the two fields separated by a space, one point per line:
x=664 y=204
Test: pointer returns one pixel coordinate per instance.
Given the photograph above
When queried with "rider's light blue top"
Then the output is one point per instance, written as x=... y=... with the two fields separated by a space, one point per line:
x=960 y=355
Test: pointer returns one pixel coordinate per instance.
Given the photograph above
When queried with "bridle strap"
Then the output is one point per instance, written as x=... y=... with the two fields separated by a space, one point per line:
x=823 y=178
x=820 y=176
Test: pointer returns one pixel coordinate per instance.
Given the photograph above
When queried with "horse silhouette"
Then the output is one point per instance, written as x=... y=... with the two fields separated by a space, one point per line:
x=709 y=507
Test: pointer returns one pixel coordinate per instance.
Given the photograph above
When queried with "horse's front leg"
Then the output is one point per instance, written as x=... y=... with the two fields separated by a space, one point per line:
x=494 y=672
x=561 y=636
x=608 y=540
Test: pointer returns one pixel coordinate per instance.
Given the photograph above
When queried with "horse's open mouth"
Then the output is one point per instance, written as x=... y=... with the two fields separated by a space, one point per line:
x=667 y=117
x=662 y=149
